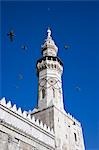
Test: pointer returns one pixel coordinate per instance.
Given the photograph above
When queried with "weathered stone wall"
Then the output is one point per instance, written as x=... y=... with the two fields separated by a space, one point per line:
x=65 y=126
x=46 y=115
x=8 y=142
x=23 y=132
x=68 y=131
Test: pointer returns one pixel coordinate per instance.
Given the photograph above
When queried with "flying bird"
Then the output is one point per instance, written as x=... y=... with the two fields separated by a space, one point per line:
x=16 y=86
x=11 y=35
x=78 y=88
x=67 y=46
x=20 y=76
x=24 y=47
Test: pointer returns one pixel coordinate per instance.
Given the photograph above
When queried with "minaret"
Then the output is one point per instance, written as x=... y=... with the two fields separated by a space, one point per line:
x=49 y=70
x=67 y=130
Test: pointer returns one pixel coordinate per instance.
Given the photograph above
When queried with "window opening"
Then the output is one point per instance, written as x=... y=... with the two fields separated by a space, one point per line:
x=75 y=137
x=43 y=93
x=53 y=92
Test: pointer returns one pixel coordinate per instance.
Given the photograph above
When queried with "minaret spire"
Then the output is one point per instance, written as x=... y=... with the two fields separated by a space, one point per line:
x=49 y=32
x=49 y=48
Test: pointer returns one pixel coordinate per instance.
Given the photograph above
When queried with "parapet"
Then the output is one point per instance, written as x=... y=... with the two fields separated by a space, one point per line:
x=24 y=115
x=73 y=119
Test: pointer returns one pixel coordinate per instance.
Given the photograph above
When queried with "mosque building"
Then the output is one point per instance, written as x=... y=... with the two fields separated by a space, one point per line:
x=49 y=126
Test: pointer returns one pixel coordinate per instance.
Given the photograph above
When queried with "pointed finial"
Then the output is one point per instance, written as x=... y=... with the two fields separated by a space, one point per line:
x=49 y=32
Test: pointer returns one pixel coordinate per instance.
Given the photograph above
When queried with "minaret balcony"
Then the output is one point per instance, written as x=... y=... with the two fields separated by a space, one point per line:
x=49 y=62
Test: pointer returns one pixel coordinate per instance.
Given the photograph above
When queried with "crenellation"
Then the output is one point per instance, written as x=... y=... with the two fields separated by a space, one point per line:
x=37 y=122
x=29 y=117
x=9 y=105
x=41 y=124
x=19 y=111
x=52 y=131
x=45 y=127
x=14 y=108
x=33 y=119
x=34 y=110
x=25 y=115
x=73 y=119
x=3 y=101
x=48 y=129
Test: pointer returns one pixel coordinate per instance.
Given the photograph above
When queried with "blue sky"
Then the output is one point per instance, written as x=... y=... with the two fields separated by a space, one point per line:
x=73 y=23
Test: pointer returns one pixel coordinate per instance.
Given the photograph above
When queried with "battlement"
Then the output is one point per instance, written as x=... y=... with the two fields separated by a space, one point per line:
x=23 y=115
x=72 y=118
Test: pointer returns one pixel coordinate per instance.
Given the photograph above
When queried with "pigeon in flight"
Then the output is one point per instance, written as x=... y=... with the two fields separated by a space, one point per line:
x=11 y=35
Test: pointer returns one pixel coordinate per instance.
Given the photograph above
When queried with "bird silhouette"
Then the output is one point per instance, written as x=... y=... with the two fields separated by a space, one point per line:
x=11 y=35
x=67 y=46
x=20 y=76
x=78 y=88
x=24 y=47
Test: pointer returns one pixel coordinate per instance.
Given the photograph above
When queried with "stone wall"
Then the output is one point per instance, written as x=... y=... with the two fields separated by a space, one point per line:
x=20 y=131
x=46 y=115
x=8 y=142
x=68 y=130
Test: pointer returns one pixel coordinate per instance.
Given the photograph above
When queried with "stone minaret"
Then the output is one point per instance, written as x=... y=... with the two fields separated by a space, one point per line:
x=68 y=131
x=49 y=69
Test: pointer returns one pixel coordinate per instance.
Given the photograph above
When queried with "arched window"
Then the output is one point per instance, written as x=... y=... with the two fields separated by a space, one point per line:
x=53 y=92
x=43 y=93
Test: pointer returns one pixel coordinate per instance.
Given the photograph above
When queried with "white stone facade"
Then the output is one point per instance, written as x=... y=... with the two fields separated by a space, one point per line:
x=49 y=127
x=23 y=128
x=68 y=131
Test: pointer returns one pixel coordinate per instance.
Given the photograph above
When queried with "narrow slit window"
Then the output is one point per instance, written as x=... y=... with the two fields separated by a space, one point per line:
x=75 y=136
x=43 y=93
x=54 y=93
